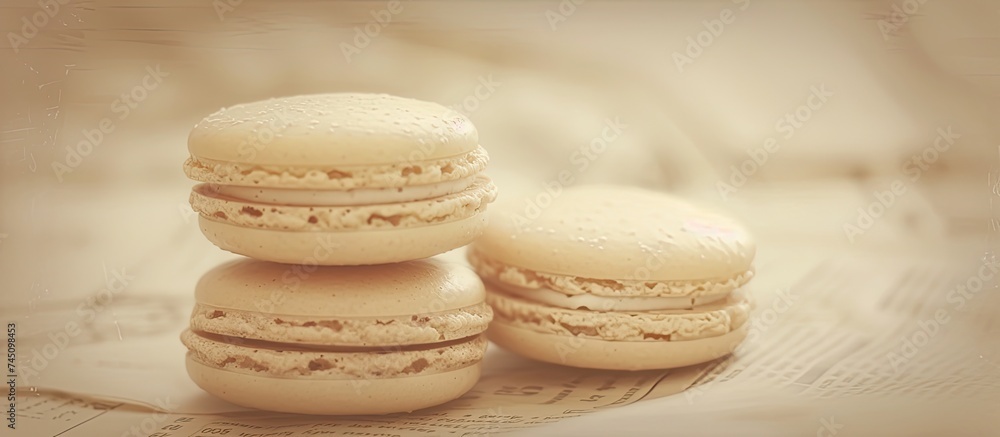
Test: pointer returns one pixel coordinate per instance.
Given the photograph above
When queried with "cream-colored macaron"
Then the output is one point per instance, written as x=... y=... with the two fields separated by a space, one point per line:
x=616 y=278
x=337 y=340
x=338 y=179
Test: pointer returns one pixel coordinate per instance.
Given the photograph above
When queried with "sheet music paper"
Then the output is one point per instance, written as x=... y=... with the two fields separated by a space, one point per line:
x=823 y=331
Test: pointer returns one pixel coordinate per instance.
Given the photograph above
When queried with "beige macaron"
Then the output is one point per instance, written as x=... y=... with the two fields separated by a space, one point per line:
x=337 y=340
x=338 y=179
x=615 y=278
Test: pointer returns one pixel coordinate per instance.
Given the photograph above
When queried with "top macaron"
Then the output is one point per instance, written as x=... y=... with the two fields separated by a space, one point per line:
x=338 y=179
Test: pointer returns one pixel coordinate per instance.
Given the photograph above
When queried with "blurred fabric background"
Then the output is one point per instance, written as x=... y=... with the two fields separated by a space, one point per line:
x=859 y=130
x=697 y=88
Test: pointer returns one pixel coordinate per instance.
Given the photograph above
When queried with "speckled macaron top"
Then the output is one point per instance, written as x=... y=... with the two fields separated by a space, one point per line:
x=602 y=232
x=341 y=128
x=338 y=141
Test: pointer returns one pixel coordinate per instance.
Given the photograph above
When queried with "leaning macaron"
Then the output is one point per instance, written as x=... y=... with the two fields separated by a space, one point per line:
x=338 y=179
x=616 y=278
x=337 y=340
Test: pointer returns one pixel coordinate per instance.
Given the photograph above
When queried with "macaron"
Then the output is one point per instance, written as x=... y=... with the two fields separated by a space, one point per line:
x=337 y=340
x=338 y=179
x=616 y=278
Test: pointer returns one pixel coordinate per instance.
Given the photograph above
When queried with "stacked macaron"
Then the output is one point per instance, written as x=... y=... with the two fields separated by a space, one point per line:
x=341 y=340
x=616 y=278
x=338 y=179
x=349 y=192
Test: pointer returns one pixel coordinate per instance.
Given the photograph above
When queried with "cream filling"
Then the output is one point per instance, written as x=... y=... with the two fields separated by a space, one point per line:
x=353 y=197
x=604 y=303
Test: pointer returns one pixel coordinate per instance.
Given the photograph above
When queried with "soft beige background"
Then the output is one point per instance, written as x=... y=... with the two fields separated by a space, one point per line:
x=559 y=76
x=560 y=71
x=124 y=206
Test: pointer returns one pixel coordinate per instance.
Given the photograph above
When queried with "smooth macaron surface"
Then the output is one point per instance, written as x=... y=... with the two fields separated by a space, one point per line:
x=416 y=302
x=340 y=141
x=389 y=290
x=349 y=129
x=619 y=233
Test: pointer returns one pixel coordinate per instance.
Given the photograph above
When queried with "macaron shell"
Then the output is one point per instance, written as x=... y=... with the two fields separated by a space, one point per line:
x=291 y=361
x=613 y=355
x=703 y=321
x=404 y=289
x=342 y=128
x=618 y=233
x=333 y=396
x=343 y=248
x=415 y=170
x=462 y=205
x=423 y=328
x=492 y=270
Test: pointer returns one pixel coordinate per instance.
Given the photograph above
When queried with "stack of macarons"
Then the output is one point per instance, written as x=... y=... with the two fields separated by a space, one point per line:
x=337 y=198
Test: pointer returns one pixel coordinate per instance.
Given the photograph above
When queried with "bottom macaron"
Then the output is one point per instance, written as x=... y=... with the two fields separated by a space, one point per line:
x=618 y=340
x=332 y=380
x=355 y=340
